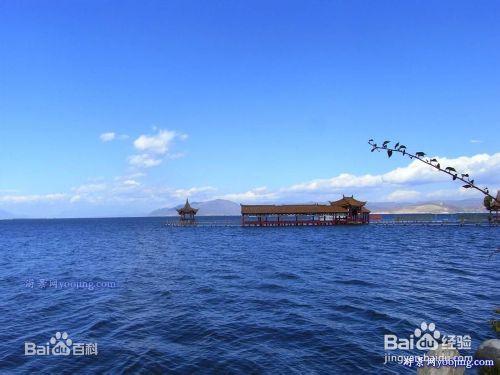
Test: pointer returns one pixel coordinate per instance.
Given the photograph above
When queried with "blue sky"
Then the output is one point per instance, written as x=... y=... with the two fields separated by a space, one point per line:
x=252 y=101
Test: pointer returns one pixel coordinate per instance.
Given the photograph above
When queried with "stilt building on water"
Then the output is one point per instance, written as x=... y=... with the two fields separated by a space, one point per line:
x=187 y=214
x=347 y=210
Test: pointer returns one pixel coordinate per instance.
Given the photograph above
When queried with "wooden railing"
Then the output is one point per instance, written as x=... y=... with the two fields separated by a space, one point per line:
x=287 y=223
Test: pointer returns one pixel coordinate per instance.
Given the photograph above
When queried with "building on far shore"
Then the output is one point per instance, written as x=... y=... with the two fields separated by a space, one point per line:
x=347 y=210
x=187 y=214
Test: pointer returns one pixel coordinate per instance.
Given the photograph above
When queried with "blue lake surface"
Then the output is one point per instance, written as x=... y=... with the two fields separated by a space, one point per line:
x=238 y=300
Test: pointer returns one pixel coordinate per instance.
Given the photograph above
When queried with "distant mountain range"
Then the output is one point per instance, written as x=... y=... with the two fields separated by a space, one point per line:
x=430 y=207
x=222 y=207
x=6 y=215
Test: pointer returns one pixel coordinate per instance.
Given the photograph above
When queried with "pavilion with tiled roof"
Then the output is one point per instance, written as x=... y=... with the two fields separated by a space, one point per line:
x=187 y=214
x=347 y=210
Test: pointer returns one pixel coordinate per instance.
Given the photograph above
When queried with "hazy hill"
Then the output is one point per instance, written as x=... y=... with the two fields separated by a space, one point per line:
x=6 y=215
x=216 y=207
x=433 y=207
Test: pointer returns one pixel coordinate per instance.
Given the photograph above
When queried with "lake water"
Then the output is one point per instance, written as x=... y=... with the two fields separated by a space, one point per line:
x=237 y=300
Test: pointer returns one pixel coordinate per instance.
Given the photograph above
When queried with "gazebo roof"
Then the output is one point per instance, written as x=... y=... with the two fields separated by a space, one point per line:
x=348 y=201
x=187 y=209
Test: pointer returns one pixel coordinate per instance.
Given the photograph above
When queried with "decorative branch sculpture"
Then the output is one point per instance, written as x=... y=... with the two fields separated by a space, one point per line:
x=434 y=163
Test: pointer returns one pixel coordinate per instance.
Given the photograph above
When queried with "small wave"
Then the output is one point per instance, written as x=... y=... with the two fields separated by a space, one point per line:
x=270 y=287
x=356 y=282
x=229 y=277
x=287 y=276
x=205 y=290
x=458 y=271
x=365 y=313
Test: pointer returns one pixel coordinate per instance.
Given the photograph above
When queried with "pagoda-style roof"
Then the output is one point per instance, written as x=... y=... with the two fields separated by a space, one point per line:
x=299 y=209
x=289 y=209
x=348 y=201
x=187 y=209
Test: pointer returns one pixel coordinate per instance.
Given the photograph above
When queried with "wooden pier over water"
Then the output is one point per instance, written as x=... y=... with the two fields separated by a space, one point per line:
x=345 y=211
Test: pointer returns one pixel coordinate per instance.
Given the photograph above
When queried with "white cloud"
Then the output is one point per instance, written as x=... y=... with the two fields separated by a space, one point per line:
x=143 y=160
x=119 y=189
x=343 y=180
x=32 y=198
x=256 y=194
x=456 y=193
x=107 y=137
x=75 y=198
x=129 y=191
x=87 y=191
x=131 y=183
x=414 y=181
x=130 y=176
x=155 y=148
x=183 y=193
x=111 y=136
x=158 y=143
x=403 y=195
x=476 y=141
x=481 y=165
x=484 y=167
x=89 y=188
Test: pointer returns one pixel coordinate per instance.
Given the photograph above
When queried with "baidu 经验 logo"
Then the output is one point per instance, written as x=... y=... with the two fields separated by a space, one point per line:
x=426 y=337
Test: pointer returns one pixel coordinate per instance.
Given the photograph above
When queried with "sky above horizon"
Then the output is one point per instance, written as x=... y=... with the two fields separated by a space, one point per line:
x=120 y=107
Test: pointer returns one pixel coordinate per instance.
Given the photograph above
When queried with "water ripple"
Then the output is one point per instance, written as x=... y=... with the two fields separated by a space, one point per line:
x=238 y=300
